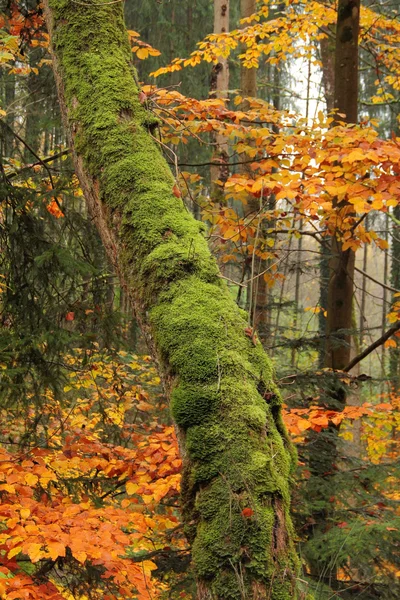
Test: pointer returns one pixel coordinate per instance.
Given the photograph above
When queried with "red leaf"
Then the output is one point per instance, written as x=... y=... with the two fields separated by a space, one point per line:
x=176 y=191
x=247 y=513
x=70 y=316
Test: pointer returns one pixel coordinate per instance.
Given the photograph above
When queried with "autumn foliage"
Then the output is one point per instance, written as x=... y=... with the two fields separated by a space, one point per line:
x=89 y=478
x=78 y=502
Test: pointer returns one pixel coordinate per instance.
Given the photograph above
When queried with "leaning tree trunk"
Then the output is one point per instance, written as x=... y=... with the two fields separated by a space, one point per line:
x=237 y=458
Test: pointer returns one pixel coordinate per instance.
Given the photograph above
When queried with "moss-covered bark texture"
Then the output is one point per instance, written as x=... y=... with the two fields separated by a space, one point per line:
x=224 y=402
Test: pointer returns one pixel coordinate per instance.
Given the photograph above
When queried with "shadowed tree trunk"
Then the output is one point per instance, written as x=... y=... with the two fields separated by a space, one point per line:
x=323 y=446
x=394 y=360
x=327 y=55
x=258 y=291
x=248 y=77
x=341 y=283
x=236 y=454
x=219 y=89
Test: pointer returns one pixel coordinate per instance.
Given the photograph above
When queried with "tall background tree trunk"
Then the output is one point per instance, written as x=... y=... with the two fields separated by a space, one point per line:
x=257 y=291
x=394 y=359
x=323 y=446
x=219 y=89
x=248 y=77
x=236 y=453
x=341 y=283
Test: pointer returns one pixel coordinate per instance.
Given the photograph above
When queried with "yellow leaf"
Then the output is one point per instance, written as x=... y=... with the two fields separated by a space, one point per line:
x=355 y=155
x=31 y=479
x=392 y=317
x=303 y=424
x=131 y=488
x=14 y=551
x=331 y=189
x=25 y=512
x=391 y=202
x=382 y=244
x=142 y=53
x=6 y=487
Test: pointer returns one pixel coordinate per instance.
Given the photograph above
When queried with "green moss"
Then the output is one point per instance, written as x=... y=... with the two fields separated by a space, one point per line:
x=192 y=405
x=223 y=397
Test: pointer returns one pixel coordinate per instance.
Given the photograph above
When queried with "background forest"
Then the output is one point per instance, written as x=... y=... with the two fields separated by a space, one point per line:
x=294 y=170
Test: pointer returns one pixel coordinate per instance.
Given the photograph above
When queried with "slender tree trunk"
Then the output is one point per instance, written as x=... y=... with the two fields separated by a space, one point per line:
x=236 y=454
x=363 y=303
x=384 y=304
x=323 y=302
x=327 y=52
x=219 y=89
x=296 y=328
x=248 y=77
x=9 y=141
x=32 y=119
x=258 y=291
x=394 y=359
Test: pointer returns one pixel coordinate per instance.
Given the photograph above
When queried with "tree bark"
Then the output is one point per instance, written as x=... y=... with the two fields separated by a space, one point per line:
x=346 y=60
x=323 y=446
x=219 y=89
x=327 y=52
x=248 y=77
x=226 y=407
x=341 y=284
x=258 y=291
x=394 y=356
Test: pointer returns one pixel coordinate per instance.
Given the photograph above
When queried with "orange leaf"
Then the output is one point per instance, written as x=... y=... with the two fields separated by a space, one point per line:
x=390 y=344
x=176 y=191
x=56 y=549
x=34 y=551
x=80 y=556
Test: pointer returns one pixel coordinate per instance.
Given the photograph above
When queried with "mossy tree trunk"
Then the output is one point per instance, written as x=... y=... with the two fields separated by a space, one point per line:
x=225 y=405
